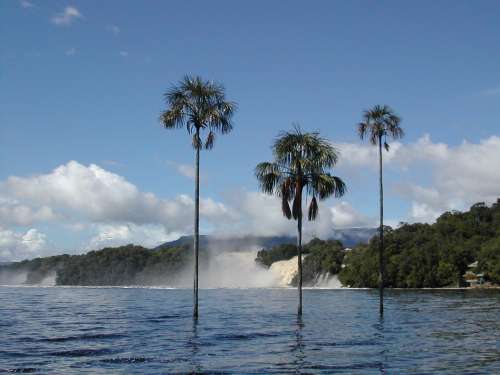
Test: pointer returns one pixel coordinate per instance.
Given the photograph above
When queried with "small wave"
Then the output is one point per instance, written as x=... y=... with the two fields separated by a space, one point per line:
x=161 y=318
x=21 y=370
x=248 y=336
x=347 y=343
x=96 y=336
x=126 y=360
x=81 y=352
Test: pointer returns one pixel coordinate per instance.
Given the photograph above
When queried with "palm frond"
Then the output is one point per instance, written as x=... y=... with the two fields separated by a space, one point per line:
x=380 y=122
x=209 y=143
x=198 y=104
x=313 y=209
x=301 y=165
x=269 y=177
x=196 y=142
x=285 y=207
x=326 y=185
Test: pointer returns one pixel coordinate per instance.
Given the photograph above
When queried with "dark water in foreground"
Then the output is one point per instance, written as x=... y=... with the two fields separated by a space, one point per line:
x=149 y=331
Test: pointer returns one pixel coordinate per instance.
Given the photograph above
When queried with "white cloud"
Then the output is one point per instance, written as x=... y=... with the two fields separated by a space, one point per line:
x=115 y=30
x=123 y=53
x=71 y=52
x=67 y=17
x=345 y=216
x=26 y=4
x=117 y=212
x=254 y=213
x=77 y=192
x=185 y=170
x=14 y=213
x=150 y=235
x=461 y=175
x=20 y=245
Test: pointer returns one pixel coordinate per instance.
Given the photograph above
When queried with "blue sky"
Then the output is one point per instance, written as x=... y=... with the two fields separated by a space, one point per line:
x=87 y=86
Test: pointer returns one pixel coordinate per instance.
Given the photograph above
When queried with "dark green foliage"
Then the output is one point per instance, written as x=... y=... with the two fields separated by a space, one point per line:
x=489 y=260
x=126 y=265
x=302 y=165
x=437 y=255
x=275 y=254
x=323 y=257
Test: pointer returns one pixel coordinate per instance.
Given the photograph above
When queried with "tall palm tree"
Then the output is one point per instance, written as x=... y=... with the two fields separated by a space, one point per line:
x=378 y=124
x=301 y=166
x=198 y=106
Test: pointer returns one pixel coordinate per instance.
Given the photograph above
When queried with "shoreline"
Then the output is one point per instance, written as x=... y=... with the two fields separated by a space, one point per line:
x=159 y=287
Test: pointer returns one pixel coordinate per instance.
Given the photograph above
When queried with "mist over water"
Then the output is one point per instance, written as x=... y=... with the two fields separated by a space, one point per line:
x=219 y=267
x=13 y=277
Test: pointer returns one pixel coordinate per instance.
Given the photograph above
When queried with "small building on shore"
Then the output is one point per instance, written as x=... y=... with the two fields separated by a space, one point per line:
x=472 y=277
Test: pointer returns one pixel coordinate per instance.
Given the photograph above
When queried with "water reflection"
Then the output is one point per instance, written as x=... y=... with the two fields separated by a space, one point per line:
x=380 y=338
x=194 y=349
x=299 y=347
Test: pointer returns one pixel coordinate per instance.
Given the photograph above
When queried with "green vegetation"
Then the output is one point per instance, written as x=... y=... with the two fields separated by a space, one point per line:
x=301 y=167
x=437 y=255
x=267 y=257
x=125 y=265
x=324 y=257
x=198 y=105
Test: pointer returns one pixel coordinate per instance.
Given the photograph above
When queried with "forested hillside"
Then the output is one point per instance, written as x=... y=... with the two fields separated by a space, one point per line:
x=437 y=255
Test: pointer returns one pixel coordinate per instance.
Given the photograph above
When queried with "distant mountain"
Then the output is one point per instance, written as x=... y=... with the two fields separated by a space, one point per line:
x=349 y=237
x=230 y=243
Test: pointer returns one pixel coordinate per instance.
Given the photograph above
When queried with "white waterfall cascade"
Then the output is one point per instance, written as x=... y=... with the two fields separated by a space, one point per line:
x=285 y=270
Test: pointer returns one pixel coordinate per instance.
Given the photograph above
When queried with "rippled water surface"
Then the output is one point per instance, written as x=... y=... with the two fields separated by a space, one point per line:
x=149 y=331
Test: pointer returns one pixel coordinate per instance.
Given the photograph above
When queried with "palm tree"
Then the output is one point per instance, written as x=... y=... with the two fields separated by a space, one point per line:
x=300 y=168
x=379 y=123
x=198 y=105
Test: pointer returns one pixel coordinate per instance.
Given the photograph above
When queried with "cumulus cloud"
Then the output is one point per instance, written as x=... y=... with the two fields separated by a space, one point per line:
x=345 y=216
x=117 y=212
x=14 y=213
x=67 y=17
x=71 y=52
x=77 y=192
x=185 y=170
x=256 y=213
x=20 y=245
x=150 y=235
x=123 y=53
x=461 y=175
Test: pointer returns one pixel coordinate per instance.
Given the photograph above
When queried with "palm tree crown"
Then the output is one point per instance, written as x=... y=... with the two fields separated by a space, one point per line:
x=302 y=161
x=197 y=104
x=379 y=123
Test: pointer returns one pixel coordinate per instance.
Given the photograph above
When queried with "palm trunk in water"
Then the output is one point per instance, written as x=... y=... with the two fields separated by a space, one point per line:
x=299 y=239
x=381 y=232
x=299 y=259
x=196 y=226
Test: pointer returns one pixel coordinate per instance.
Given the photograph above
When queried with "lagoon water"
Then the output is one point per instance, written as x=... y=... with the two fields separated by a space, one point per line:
x=62 y=330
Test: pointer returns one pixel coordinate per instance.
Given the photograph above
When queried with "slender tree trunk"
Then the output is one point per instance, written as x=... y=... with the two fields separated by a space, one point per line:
x=298 y=192
x=381 y=232
x=196 y=227
x=299 y=259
